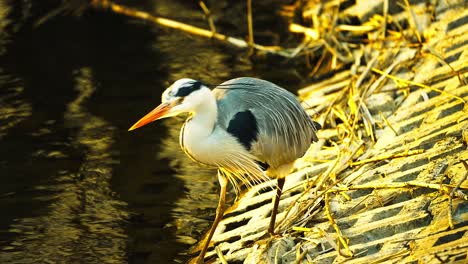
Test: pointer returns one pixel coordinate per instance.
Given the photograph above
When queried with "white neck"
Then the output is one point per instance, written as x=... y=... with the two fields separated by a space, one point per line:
x=195 y=136
x=204 y=116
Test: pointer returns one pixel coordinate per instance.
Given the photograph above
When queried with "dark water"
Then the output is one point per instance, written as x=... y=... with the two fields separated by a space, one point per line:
x=75 y=186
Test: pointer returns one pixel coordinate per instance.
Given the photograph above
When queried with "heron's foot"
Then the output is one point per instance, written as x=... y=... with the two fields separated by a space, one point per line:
x=269 y=235
x=272 y=233
x=275 y=235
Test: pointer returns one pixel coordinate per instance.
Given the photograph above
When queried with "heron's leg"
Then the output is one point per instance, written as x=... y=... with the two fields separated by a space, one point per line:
x=279 y=190
x=219 y=215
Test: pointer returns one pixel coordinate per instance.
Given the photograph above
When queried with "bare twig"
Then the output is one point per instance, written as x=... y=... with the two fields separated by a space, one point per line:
x=208 y=17
x=339 y=164
x=341 y=239
x=389 y=156
x=220 y=254
x=385 y=15
x=388 y=123
x=250 y=26
x=443 y=188
x=441 y=59
x=240 y=43
x=454 y=192
x=412 y=21
x=309 y=33
x=396 y=79
x=301 y=256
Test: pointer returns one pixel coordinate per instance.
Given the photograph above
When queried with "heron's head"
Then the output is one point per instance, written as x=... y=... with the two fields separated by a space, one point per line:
x=183 y=96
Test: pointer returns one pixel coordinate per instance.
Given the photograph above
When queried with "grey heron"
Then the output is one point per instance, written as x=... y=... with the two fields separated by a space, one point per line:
x=250 y=129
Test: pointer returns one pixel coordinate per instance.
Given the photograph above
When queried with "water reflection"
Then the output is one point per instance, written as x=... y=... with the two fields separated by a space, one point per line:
x=14 y=109
x=83 y=223
x=75 y=186
x=193 y=212
x=4 y=22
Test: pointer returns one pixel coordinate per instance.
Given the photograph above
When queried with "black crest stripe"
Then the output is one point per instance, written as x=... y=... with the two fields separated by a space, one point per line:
x=188 y=88
x=243 y=126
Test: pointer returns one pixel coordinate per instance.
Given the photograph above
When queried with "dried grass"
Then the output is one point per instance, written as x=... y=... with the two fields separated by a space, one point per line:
x=371 y=58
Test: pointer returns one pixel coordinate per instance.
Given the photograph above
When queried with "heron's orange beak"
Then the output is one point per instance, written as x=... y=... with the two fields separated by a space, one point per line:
x=156 y=114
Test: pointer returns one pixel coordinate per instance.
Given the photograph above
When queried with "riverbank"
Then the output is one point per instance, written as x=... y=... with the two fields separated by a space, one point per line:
x=387 y=180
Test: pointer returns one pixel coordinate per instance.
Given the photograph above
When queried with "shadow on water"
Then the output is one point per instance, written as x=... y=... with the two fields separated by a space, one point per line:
x=75 y=186
x=59 y=161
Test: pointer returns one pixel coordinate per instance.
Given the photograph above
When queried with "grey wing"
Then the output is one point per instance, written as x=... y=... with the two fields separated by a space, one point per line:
x=285 y=131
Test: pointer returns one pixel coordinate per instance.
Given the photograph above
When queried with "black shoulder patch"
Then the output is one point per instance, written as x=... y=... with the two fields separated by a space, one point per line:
x=243 y=126
x=188 y=88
